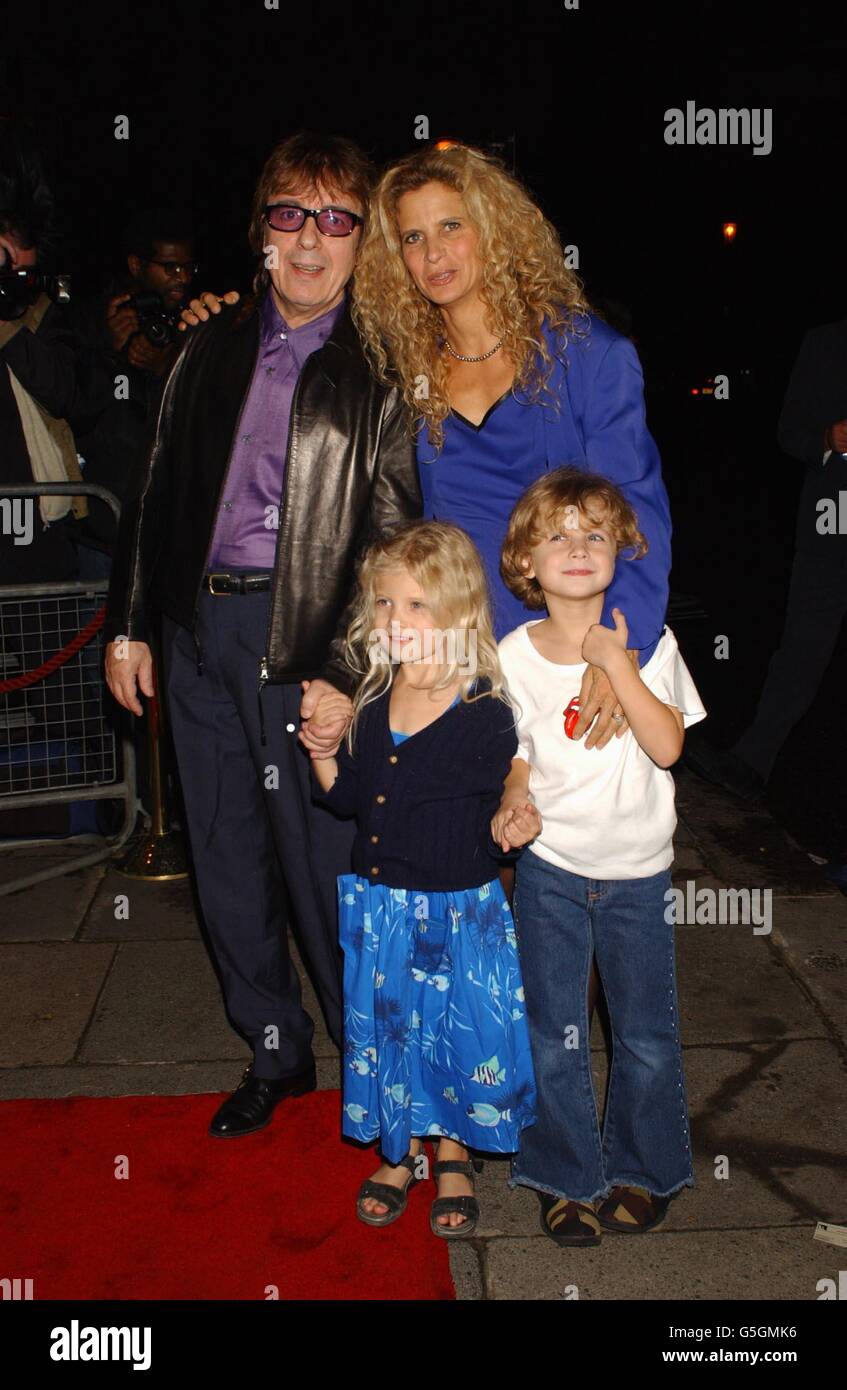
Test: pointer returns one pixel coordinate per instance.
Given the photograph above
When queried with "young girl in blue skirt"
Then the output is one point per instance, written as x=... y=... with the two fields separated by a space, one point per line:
x=436 y=1040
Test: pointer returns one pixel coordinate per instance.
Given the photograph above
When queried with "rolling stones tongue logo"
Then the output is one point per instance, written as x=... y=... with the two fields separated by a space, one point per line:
x=571 y=716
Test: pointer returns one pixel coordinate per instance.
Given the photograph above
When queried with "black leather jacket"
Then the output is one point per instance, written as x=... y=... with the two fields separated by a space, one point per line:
x=350 y=474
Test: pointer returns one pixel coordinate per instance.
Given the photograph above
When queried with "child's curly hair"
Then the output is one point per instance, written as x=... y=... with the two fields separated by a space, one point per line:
x=544 y=506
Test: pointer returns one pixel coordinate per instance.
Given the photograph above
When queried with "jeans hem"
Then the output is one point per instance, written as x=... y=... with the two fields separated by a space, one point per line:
x=638 y=1181
x=552 y=1191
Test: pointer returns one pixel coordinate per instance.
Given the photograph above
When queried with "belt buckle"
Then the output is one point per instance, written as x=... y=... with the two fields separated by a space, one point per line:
x=218 y=593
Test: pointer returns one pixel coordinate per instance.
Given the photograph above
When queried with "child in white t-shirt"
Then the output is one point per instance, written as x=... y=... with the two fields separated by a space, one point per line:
x=595 y=880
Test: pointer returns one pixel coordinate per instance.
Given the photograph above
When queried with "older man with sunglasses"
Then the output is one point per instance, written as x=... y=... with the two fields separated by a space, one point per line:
x=276 y=457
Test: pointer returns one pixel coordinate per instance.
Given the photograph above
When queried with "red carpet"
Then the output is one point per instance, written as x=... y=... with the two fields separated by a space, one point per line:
x=200 y=1218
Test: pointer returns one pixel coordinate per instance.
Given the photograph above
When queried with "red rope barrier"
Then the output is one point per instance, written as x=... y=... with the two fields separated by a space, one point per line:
x=59 y=659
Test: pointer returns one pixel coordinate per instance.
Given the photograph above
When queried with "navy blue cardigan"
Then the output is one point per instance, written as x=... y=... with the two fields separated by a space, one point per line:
x=424 y=806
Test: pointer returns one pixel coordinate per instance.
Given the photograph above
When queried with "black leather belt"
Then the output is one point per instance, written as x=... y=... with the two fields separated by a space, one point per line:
x=220 y=584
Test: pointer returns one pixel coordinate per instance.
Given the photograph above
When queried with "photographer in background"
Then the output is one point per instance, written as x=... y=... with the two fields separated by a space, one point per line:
x=44 y=728
x=37 y=370
x=128 y=343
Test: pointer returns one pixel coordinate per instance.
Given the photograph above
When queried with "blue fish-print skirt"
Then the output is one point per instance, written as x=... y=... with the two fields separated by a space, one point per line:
x=435 y=1031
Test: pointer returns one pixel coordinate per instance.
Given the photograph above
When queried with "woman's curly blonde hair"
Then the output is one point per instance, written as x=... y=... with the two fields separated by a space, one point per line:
x=545 y=505
x=446 y=564
x=524 y=281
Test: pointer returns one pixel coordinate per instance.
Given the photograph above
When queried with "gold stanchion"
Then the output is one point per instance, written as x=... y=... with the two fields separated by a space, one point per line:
x=160 y=852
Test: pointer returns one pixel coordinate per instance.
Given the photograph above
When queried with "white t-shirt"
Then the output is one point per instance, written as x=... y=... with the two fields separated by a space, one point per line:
x=608 y=813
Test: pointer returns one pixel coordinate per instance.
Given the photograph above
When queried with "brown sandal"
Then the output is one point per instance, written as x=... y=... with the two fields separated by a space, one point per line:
x=569 y=1223
x=632 y=1210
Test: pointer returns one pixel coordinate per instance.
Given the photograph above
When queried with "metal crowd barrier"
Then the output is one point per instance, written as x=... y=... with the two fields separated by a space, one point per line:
x=57 y=739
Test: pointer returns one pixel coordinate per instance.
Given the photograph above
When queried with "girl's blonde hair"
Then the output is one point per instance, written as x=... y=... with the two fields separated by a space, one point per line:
x=524 y=281
x=446 y=564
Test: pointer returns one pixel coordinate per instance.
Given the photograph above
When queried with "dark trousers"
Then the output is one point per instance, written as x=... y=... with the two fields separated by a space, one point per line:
x=817 y=600
x=254 y=830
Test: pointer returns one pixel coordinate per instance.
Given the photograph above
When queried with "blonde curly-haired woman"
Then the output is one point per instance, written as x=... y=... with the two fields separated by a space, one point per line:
x=462 y=296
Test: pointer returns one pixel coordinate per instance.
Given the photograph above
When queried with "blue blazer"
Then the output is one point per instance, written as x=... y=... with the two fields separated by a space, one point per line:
x=601 y=426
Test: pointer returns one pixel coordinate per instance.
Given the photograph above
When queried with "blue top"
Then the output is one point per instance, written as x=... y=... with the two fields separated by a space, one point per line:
x=600 y=425
x=506 y=451
x=401 y=738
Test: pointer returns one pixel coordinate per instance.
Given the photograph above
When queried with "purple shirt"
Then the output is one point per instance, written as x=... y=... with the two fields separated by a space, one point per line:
x=245 y=532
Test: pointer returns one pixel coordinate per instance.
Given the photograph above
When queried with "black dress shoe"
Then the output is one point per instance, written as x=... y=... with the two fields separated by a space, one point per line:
x=251 y=1106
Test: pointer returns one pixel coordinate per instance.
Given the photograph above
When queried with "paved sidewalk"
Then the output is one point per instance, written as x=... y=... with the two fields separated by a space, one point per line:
x=98 y=1004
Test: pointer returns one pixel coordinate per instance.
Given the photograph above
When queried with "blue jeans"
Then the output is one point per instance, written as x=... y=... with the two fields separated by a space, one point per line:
x=561 y=920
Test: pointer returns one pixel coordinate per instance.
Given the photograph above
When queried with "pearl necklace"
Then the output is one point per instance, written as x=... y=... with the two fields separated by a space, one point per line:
x=460 y=357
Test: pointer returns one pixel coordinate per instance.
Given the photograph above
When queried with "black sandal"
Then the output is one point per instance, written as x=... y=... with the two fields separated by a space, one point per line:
x=395 y=1198
x=568 y=1222
x=468 y=1207
x=632 y=1210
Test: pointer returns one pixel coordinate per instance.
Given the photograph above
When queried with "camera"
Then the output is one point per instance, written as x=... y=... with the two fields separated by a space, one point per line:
x=158 y=326
x=19 y=289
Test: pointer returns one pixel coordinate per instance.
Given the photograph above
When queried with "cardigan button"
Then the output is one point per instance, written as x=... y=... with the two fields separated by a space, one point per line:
x=380 y=798
x=393 y=758
x=374 y=839
x=375 y=869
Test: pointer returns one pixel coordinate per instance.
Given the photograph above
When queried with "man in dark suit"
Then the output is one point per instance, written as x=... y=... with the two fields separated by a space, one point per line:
x=276 y=456
x=813 y=429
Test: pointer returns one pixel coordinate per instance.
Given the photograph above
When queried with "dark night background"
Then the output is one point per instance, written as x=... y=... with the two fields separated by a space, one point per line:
x=583 y=93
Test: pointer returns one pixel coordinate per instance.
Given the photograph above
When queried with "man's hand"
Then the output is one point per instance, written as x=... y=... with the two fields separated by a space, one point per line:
x=326 y=714
x=141 y=353
x=126 y=663
x=199 y=309
x=121 y=321
x=836 y=437
x=515 y=823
